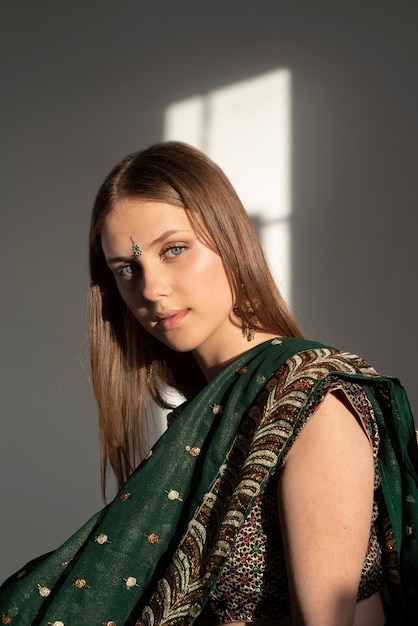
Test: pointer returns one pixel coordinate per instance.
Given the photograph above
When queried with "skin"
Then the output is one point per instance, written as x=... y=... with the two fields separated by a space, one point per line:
x=179 y=291
x=326 y=544
x=330 y=463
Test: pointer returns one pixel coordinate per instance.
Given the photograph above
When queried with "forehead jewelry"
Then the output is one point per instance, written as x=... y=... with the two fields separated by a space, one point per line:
x=136 y=249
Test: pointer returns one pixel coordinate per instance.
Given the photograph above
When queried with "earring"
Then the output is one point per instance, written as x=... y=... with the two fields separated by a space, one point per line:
x=248 y=329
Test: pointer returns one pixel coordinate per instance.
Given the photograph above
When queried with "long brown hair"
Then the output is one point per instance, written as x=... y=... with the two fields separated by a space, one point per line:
x=128 y=366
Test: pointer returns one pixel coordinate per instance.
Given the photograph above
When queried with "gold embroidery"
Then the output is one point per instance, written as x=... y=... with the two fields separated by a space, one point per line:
x=43 y=591
x=193 y=450
x=172 y=494
x=80 y=583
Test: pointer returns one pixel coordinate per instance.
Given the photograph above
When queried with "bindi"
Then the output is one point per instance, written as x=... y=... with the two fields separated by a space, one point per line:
x=136 y=249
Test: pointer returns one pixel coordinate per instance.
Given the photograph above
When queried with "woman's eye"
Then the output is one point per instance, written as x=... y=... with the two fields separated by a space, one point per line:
x=126 y=271
x=173 y=251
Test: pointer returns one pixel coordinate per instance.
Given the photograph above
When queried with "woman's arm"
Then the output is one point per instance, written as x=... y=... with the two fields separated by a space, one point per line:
x=325 y=503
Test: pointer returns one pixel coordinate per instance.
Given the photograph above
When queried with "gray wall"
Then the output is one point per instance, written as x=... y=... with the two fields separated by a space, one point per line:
x=85 y=83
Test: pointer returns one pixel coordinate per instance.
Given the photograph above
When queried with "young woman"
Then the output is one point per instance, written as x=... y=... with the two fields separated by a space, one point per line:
x=284 y=490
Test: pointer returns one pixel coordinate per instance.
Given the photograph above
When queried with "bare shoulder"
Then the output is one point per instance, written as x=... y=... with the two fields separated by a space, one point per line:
x=331 y=462
x=325 y=502
x=333 y=428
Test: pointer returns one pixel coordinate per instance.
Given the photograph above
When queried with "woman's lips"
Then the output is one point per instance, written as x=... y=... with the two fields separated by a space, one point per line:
x=172 y=320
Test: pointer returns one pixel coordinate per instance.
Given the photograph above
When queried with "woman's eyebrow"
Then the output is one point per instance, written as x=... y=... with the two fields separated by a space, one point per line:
x=165 y=235
x=160 y=239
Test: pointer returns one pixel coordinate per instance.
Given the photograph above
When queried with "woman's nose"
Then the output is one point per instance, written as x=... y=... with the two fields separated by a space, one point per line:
x=155 y=283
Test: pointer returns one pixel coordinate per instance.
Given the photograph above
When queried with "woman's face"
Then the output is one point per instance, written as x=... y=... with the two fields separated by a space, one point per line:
x=177 y=288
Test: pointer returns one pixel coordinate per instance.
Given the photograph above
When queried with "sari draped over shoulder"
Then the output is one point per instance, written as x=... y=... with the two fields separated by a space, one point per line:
x=153 y=555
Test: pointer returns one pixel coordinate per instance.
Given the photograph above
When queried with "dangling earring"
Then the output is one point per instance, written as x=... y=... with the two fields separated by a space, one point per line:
x=248 y=330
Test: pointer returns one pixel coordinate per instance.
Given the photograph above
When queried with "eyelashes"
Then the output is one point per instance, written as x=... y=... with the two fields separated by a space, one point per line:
x=173 y=251
x=128 y=270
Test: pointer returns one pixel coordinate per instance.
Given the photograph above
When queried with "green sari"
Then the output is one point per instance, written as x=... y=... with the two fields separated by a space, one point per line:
x=152 y=556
